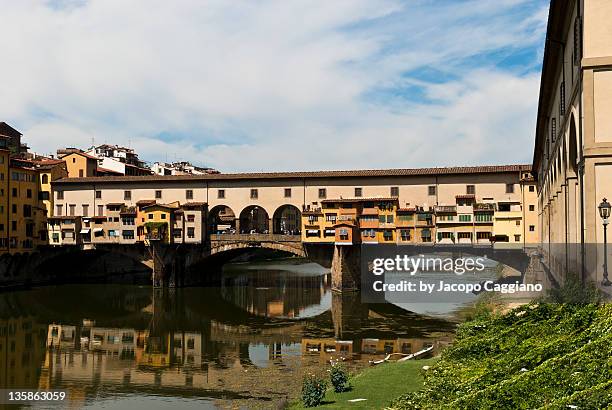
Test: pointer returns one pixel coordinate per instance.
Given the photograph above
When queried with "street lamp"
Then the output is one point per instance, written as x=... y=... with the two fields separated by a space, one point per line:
x=604 y=212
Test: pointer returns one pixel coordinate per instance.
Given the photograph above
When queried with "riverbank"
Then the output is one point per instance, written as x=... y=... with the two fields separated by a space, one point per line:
x=374 y=387
x=552 y=356
x=540 y=355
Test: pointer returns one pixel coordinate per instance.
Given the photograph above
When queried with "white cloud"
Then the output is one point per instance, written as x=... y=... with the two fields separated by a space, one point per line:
x=273 y=85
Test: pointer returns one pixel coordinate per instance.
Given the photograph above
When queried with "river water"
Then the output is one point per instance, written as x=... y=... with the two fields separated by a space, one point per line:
x=245 y=344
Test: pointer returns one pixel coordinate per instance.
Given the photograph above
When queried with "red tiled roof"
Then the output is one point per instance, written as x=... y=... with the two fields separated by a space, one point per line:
x=47 y=163
x=306 y=174
x=167 y=206
x=81 y=153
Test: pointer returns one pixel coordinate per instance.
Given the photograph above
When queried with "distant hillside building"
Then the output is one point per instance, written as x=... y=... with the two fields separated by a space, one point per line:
x=119 y=160
x=180 y=168
x=105 y=160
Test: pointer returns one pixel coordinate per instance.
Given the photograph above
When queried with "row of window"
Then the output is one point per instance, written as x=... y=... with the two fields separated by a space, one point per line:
x=405 y=234
x=22 y=176
x=13 y=242
x=27 y=210
x=29 y=228
x=254 y=193
x=15 y=193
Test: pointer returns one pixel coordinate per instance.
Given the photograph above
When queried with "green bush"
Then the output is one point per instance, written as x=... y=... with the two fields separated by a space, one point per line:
x=573 y=291
x=313 y=390
x=339 y=378
x=538 y=355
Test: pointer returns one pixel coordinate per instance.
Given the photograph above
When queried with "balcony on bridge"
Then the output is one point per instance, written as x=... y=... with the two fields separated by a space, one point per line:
x=405 y=217
x=368 y=221
x=484 y=207
x=386 y=221
x=347 y=213
x=445 y=209
x=465 y=203
x=424 y=219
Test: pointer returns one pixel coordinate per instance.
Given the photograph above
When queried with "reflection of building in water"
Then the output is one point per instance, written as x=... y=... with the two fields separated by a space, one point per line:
x=22 y=349
x=368 y=349
x=169 y=349
x=80 y=357
x=62 y=336
x=282 y=295
x=112 y=341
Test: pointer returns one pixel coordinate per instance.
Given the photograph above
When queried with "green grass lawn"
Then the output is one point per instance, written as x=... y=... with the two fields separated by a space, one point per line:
x=378 y=384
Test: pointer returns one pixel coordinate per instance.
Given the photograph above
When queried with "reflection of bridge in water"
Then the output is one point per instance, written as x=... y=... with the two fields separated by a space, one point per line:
x=199 y=341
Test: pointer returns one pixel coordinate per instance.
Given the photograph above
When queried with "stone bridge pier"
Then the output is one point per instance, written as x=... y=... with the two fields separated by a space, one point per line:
x=346 y=268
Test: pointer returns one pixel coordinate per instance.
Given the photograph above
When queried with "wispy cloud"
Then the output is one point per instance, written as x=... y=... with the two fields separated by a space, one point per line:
x=277 y=85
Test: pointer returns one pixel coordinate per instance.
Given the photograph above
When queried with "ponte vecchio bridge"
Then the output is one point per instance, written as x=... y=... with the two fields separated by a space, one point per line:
x=174 y=223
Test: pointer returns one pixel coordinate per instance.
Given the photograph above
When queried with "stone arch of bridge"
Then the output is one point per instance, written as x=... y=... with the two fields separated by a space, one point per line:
x=70 y=260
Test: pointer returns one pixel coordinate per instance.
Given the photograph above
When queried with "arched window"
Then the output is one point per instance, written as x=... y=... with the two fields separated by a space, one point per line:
x=45 y=179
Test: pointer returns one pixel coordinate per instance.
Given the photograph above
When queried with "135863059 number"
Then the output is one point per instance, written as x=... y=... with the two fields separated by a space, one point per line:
x=16 y=396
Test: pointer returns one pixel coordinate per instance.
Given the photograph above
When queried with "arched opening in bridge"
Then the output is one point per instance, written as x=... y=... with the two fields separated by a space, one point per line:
x=287 y=220
x=221 y=219
x=254 y=219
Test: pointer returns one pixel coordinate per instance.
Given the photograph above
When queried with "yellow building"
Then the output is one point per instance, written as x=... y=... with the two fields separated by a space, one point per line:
x=23 y=350
x=508 y=222
x=4 y=193
x=159 y=219
x=49 y=170
x=27 y=222
x=80 y=164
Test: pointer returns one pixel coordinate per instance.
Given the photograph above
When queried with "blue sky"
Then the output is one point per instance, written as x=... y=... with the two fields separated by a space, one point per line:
x=285 y=85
